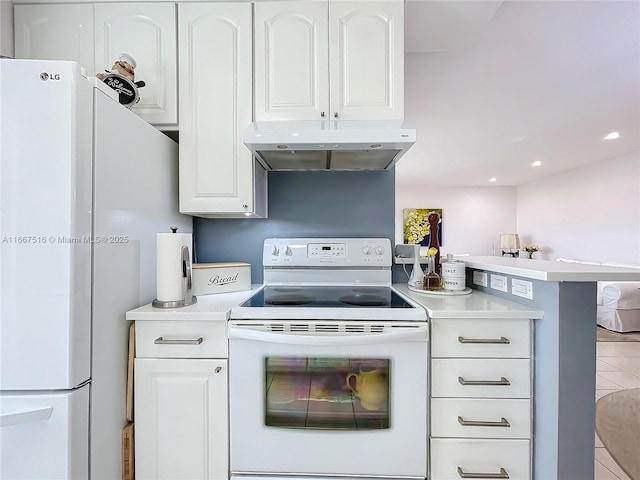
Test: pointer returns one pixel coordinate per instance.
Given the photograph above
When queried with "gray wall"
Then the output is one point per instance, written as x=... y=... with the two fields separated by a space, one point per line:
x=303 y=204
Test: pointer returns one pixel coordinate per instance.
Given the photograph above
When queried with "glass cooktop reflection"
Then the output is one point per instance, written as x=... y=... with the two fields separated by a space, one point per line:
x=335 y=297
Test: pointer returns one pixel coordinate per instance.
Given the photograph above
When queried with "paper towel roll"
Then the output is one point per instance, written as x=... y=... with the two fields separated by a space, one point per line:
x=169 y=265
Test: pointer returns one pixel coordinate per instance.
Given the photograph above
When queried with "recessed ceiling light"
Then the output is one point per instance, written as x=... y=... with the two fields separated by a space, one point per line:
x=612 y=136
x=493 y=179
x=537 y=163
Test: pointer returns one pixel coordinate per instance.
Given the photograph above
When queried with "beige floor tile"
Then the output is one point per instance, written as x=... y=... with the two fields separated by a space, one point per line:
x=603 y=456
x=603 y=383
x=631 y=349
x=624 y=379
x=626 y=364
x=603 y=473
x=604 y=366
x=601 y=393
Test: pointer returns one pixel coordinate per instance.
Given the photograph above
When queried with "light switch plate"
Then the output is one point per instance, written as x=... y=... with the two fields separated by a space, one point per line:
x=499 y=282
x=522 y=288
x=480 y=278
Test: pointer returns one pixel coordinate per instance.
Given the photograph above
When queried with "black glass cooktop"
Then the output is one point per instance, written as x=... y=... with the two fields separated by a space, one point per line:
x=335 y=297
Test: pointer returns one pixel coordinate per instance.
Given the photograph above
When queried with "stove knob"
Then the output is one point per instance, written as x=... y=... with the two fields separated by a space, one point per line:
x=379 y=250
x=275 y=252
x=288 y=252
x=366 y=250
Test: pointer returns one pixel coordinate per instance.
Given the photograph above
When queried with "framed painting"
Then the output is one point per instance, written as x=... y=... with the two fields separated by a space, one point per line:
x=416 y=229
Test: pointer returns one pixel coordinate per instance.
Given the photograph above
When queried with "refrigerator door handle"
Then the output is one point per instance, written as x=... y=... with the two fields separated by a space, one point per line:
x=27 y=416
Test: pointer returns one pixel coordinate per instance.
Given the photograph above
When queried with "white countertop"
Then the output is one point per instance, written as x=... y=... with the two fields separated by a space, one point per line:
x=208 y=307
x=551 y=270
x=474 y=305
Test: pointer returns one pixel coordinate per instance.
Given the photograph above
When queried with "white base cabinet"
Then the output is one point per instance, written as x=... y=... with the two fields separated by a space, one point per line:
x=181 y=404
x=94 y=35
x=481 y=389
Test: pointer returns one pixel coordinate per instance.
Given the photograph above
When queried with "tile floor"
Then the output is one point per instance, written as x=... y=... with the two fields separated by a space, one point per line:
x=617 y=368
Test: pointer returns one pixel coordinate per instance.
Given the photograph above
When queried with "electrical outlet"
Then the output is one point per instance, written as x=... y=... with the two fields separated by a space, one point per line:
x=522 y=288
x=499 y=282
x=480 y=278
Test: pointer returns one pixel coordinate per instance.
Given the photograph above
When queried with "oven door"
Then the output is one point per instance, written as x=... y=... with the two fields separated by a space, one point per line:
x=308 y=402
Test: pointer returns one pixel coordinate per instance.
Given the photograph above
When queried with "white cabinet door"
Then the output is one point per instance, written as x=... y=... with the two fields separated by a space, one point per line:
x=55 y=32
x=181 y=419
x=147 y=32
x=218 y=175
x=291 y=61
x=366 y=55
x=334 y=60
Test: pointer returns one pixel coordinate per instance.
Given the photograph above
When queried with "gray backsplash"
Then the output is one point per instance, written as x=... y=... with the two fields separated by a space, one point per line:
x=303 y=204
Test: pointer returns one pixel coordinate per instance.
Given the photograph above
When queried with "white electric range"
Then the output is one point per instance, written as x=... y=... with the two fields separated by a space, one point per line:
x=328 y=366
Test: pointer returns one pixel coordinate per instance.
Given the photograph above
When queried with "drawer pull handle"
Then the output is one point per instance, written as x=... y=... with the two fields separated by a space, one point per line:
x=475 y=423
x=503 y=381
x=162 y=341
x=503 y=474
x=493 y=341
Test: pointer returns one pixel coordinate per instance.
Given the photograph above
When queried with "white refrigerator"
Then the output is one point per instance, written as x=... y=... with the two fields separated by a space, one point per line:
x=85 y=186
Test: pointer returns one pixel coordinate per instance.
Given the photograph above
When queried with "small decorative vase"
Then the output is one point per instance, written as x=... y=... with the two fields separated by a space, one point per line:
x=530 y=255
x=417 y=276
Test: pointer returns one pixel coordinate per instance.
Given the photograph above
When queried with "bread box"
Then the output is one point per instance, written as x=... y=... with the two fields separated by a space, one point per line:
x=209 y=278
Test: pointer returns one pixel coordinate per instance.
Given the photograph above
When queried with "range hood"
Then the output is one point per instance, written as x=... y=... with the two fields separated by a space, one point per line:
x=328 y=145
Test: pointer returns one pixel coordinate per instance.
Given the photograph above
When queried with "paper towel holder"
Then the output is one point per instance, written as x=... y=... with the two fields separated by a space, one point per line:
x=187 y=285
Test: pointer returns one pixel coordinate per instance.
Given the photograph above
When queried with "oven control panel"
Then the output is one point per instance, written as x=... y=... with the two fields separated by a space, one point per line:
x=303 y=252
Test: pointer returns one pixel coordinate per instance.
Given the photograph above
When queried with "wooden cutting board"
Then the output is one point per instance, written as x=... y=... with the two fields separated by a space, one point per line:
x=127 y=452
x=132 y=354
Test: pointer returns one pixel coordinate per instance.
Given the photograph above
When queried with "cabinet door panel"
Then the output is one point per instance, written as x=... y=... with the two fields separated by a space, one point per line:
x=216 y=169
x=181 y=419
x=146 y=31
x=366 y=60
x=55 y=32
x=291 y=61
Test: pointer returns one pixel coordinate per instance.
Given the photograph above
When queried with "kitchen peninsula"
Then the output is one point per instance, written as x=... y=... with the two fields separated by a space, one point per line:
x=564 y=343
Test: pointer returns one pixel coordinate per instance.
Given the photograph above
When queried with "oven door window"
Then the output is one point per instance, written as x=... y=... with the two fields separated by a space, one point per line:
x=327 y=393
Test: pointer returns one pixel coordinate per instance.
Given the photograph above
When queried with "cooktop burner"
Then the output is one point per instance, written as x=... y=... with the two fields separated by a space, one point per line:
x=288 y=299
x=325 y=296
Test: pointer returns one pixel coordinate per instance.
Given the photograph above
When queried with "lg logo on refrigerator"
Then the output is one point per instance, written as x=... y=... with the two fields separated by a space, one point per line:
x=49 y=76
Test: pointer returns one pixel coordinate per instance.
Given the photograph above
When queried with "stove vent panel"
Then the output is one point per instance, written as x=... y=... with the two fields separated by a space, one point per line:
x=328 y=328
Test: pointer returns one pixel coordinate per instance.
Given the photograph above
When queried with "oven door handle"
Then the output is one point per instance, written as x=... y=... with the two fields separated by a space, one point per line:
x=402 y=335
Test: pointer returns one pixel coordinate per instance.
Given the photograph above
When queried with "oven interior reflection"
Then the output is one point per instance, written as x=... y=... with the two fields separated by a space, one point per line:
x=327 y=393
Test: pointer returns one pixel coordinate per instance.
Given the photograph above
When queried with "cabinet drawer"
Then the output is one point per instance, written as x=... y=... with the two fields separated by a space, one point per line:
x=453 y=459
x=497 y=338
x=181 y=340
x=480 y=418
x=493 y=378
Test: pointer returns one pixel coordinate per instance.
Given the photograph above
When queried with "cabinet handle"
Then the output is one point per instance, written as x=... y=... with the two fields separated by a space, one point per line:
x=322 y=114
x=501 y=340
x=502 y=381
x=335 y=114
x=219 y=369
x=503 y=474
x=475 y=423
x=162 y=341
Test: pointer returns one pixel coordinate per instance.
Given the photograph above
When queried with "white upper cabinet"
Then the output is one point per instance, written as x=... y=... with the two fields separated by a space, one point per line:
x=218 y=175
x=332 y=59
x=55 y=32
x=147 y=32
x=291 y=61
x=94 y=35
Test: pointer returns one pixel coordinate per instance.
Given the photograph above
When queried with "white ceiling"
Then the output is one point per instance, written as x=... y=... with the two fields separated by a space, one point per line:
x=492 y=86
